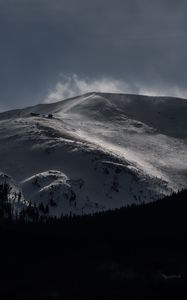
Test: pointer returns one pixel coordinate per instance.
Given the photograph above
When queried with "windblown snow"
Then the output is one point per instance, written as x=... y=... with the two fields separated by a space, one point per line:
x=95 y=152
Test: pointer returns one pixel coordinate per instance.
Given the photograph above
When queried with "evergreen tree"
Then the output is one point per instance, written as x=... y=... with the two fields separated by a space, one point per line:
x=5 y=206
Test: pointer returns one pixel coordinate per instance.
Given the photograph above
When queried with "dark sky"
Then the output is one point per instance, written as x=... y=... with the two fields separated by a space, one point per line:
x=137 y=46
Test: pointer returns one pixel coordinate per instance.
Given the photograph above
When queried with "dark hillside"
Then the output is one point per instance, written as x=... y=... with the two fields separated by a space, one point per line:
x=133 y=252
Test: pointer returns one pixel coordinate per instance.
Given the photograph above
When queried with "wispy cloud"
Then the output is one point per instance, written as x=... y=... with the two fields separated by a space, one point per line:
x=74 y=85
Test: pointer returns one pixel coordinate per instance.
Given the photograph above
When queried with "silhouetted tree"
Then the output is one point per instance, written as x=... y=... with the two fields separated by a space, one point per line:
x=5 y=205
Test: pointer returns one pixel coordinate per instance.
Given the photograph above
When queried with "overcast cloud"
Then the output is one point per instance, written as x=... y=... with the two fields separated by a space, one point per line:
x=136 y=46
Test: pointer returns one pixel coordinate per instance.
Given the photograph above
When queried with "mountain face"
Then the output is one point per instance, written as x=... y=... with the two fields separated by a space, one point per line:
x=95 y=152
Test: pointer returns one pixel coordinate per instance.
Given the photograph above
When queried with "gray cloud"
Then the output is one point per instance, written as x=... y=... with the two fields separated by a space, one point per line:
x=141 y=43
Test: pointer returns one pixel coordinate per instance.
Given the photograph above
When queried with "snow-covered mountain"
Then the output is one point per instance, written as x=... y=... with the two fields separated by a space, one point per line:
x=95 y=152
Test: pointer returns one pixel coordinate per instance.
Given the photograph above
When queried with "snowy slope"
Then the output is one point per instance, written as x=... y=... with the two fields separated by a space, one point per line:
x=99 y=151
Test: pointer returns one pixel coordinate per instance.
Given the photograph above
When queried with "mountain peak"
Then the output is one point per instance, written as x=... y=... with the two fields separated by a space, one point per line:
x=106 y=151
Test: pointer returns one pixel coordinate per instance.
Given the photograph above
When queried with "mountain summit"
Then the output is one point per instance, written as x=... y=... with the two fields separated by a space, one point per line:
x=96 y=151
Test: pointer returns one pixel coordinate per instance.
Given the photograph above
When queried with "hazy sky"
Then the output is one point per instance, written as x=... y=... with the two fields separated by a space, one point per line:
x=57 y=48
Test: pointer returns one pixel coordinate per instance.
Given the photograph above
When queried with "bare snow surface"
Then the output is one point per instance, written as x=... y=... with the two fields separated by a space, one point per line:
x=99 y=151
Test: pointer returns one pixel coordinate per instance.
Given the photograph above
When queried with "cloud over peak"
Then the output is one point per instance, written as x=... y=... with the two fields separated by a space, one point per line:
x=74 y=85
